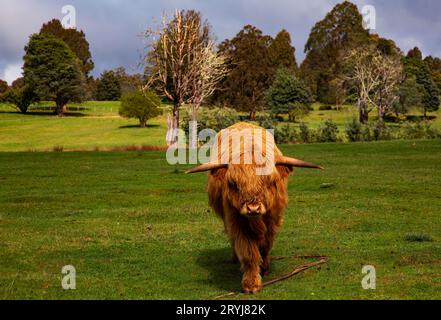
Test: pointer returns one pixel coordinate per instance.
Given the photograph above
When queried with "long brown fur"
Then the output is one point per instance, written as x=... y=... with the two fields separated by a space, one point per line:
x=251 y=237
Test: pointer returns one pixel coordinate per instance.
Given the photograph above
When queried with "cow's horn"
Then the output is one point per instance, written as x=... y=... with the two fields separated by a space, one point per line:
x=207 y=167
x=286 y=161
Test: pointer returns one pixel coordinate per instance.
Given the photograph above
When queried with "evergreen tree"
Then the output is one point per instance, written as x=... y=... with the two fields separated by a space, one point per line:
x=410 y=96
x=52 y=71
x=415 y=66
x=287 y=95
x=330 y=39
x=251 y=70
x=109 y=87
x=434 y=65
x=3 y=86
x=282 y=53
x=76 y=40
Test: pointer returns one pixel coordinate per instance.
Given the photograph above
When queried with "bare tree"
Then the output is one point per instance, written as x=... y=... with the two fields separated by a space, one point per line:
x=376 y=78
x=171 y=59
x=209 y=68
x=387 y=93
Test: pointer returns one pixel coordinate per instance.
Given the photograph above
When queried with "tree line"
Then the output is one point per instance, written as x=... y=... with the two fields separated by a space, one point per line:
x=344 y=64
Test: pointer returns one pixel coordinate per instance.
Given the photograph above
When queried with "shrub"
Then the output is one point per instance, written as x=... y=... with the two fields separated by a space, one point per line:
x=305 y=133
x=421 y=130
x=381 y=131
x=286 y=134
x=366 y=134
x=140 y=105
x=328 y=132
x=354 y=130
x=298 y=110
x=325 y=108
x=216 y=119
x=267 y=122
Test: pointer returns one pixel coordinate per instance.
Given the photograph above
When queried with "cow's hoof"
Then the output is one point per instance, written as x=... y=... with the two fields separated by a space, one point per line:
x=250 y=291
x=264 y=272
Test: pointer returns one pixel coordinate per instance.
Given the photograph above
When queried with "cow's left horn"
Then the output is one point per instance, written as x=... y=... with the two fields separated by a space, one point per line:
x=286 y=161
x=207 y=167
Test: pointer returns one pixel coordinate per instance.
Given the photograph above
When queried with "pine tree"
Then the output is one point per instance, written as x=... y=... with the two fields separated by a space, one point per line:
x=109 y=87
x=287 y=95
x=415 y=66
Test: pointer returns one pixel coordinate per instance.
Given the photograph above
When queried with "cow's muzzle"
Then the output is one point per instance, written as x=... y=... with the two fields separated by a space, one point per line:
x=253 y=209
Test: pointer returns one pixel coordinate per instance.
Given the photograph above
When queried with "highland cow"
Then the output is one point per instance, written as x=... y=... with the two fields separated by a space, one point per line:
x=250 y=204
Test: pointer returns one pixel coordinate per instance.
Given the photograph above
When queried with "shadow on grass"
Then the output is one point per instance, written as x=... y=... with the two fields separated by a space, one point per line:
x=419 y=118
x=223 y=273
x=46 y=114
x=138 y=126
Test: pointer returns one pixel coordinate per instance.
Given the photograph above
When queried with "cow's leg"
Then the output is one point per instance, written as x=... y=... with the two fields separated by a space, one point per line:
x=265 y=249
x=234 y=257
x=249 y=257
x=266 y=245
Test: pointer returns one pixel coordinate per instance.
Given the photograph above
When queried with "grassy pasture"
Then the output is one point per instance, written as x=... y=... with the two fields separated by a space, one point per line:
x=97 y=124
x=136 y=228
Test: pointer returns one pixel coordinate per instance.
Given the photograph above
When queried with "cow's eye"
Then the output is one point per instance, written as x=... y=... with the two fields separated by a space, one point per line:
x=232 y=185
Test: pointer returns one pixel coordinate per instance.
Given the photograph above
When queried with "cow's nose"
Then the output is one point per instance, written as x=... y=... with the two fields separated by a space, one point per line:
x=253 y=208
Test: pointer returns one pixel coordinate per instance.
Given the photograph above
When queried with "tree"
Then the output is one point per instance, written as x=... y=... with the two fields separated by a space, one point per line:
x=76 y=40
x=375 y=78
x=52 y=71
x=18 y=94
x=434 y=65
x=329 y=41
x=391 y=74
x=415 y=53
x=338 y=90
x=21 y=98
x=414 y=65
x=251 y=70
x=170 y=60
x=141 y=105
x=109 y=87
x=410 y=96
x=282 y=53
x=128 y=82
x=3 y=86
x=287 y=95
x=209 y=68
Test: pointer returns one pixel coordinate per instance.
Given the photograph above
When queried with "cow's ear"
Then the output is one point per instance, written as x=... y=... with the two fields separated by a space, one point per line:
x=284 y=171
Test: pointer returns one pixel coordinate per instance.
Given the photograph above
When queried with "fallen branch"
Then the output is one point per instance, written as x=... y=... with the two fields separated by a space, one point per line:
x=296 y=270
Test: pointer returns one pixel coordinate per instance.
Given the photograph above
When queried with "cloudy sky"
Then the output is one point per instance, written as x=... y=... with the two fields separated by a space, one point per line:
x=113 y=27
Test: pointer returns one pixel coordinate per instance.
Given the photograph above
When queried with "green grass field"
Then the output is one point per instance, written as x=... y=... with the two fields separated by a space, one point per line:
x=97 y=124
x=136 y=228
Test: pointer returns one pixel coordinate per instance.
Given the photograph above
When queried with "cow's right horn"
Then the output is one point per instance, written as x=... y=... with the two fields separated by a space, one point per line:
x=287 y=161
x=207 y=167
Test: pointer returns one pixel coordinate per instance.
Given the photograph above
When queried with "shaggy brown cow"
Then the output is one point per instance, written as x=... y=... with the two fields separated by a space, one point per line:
x=250 y=204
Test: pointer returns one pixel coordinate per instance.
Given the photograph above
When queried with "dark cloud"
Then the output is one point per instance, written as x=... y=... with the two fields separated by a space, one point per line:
x=113 y=27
